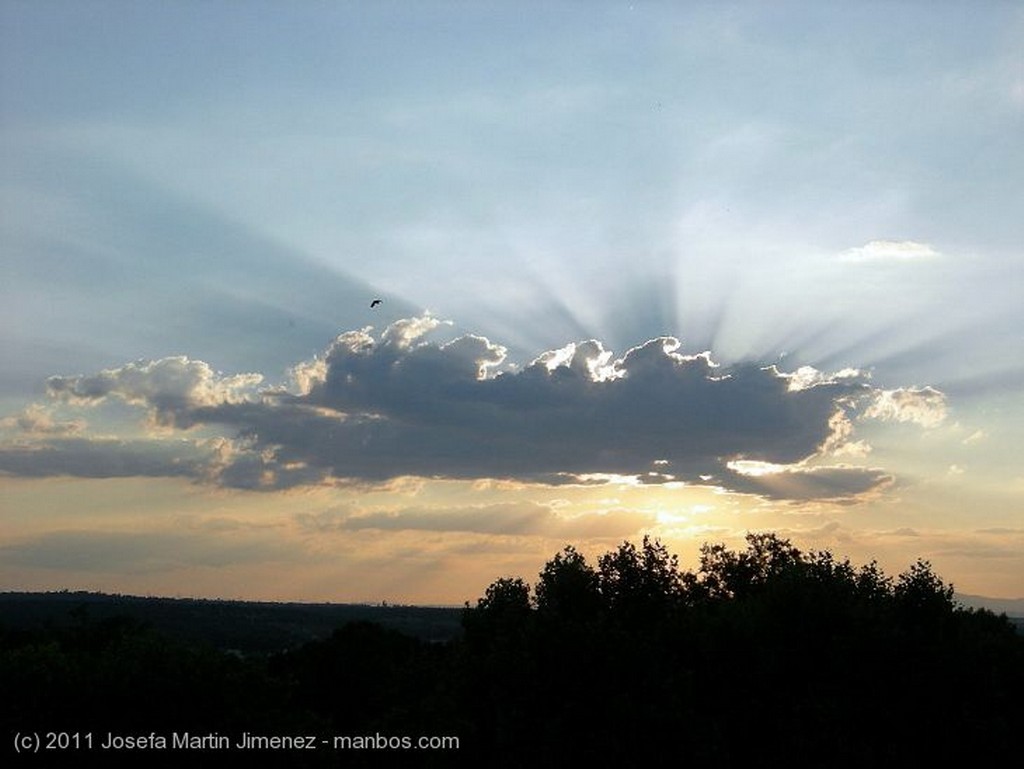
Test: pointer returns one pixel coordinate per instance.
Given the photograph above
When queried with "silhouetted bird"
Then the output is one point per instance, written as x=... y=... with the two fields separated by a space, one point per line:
x=375 y=302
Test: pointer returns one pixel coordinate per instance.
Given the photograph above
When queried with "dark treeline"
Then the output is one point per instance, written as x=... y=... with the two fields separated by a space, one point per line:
x=765 y=654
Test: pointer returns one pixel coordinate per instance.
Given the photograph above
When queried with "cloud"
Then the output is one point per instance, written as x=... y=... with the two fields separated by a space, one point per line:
x=37 y=420
x=975 y=437
x=924 y=406
x=834 y=483
x=503 y=518
x=138 y=552
x=889 y=250
x=105 y=458
x=374 y=408
x=171 y=387
x=511 y=518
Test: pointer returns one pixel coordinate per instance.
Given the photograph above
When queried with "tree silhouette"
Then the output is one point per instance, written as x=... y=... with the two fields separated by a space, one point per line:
x=764 y=652
x=640 y=585
x=501 y=616
x=568 y=589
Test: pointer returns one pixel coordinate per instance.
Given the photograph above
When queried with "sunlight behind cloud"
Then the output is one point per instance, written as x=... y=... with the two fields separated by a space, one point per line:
x=377 y=406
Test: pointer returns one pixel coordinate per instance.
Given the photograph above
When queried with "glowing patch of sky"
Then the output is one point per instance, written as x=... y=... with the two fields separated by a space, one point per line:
x=796 y=184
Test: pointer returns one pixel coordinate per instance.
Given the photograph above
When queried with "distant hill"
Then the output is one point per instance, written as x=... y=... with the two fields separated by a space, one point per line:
x=249 y=627
x=1011 y=607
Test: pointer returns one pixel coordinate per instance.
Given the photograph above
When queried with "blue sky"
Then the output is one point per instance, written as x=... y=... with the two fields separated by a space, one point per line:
x=687 y=269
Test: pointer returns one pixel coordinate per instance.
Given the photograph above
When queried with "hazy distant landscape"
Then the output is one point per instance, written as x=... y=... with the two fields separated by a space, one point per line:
x=245 y=626
x=1013 y=608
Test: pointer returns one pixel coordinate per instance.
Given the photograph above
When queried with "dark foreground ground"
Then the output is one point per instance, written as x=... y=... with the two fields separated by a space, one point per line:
x=769 y=656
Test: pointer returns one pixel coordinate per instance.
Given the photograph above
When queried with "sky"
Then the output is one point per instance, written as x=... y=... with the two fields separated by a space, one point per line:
x=677 y=269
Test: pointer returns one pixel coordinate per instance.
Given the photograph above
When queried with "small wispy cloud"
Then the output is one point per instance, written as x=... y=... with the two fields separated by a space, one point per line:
x=145 y=552
x=835 y=483
x=889 y=250
x=975 y=437
x=512 y=518
x=37 y=420
x=925 y=406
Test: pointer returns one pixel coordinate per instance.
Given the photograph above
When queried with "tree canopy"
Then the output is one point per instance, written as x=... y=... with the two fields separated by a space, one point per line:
x=764 y=651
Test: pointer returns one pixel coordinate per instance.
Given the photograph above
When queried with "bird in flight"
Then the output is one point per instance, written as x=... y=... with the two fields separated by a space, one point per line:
x=375 y=302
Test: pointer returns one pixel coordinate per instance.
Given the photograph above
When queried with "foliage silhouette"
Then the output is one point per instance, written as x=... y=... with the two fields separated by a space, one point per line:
x=568 y=589
x=768 y=651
